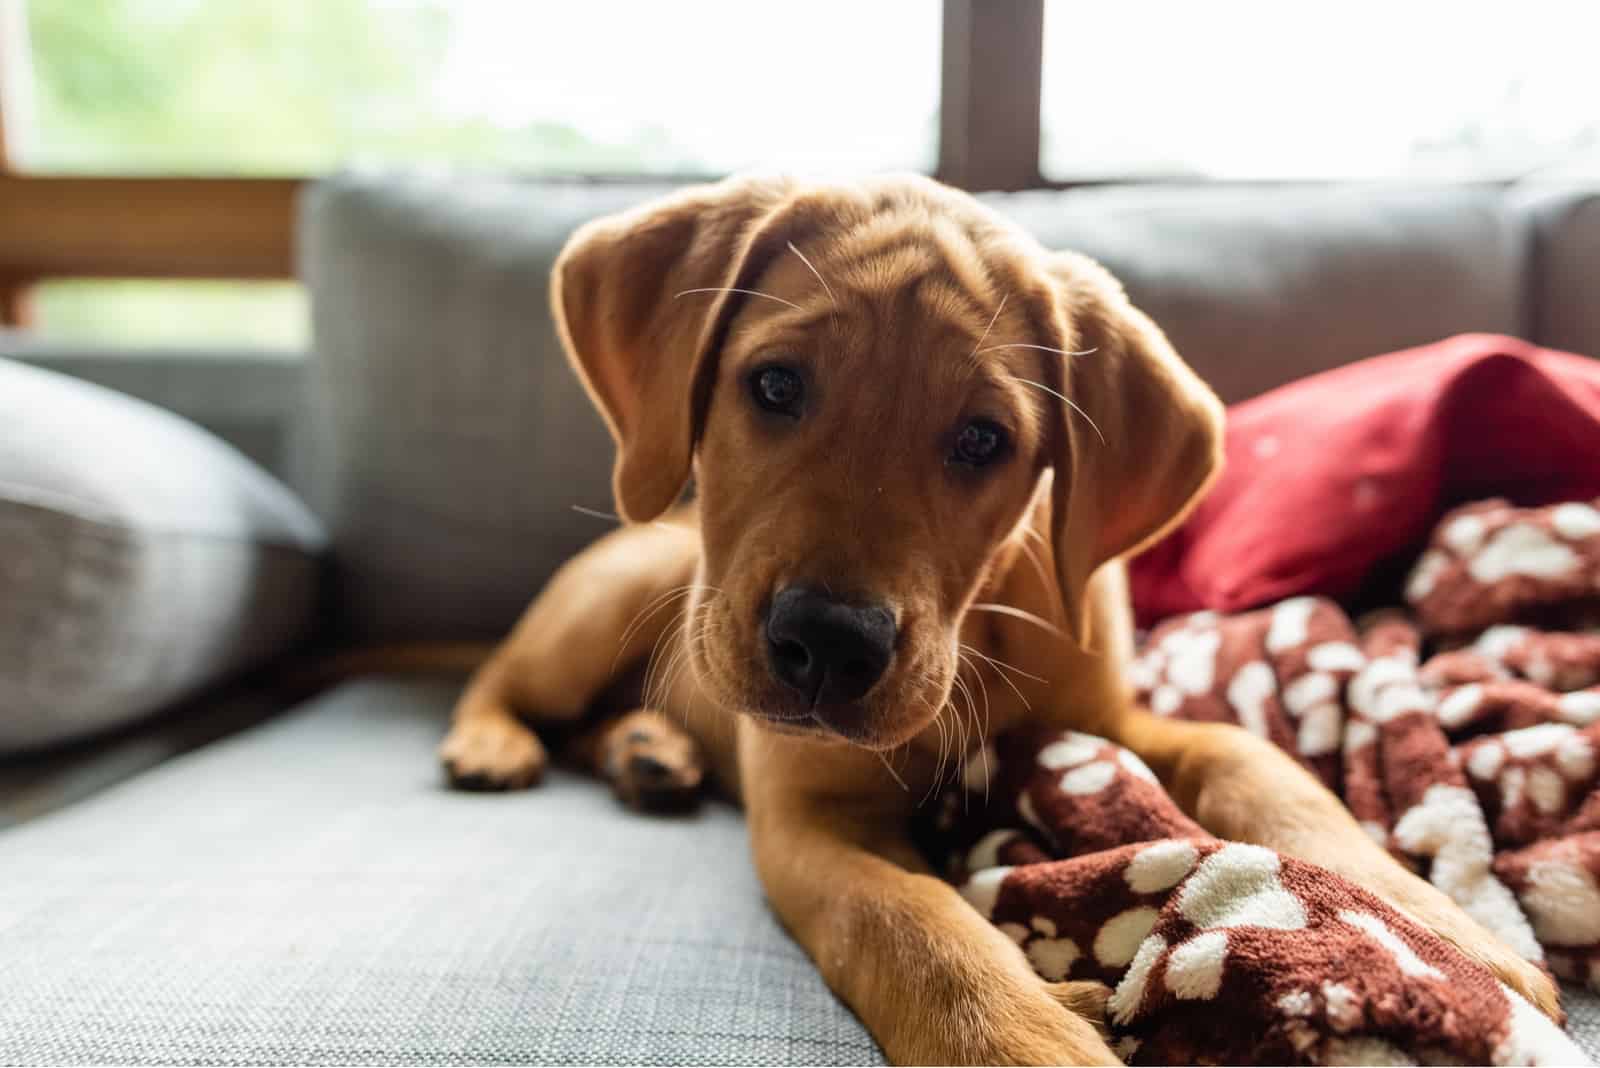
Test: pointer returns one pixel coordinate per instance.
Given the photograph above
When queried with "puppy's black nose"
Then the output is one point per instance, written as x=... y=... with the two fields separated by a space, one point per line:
x=827 y=650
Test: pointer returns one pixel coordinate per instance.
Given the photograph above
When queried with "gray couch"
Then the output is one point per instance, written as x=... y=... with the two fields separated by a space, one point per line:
x=245 y=882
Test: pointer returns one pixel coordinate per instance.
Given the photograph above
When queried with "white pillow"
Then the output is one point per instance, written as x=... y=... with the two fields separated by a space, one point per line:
x=141 y=559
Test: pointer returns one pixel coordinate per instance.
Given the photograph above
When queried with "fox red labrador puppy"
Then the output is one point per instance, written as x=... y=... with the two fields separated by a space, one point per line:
x=921 y=445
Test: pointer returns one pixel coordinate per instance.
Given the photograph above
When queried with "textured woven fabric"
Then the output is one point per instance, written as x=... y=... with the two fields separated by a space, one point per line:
x=447 y=442
x=307 y=892
x=1259 y=286
x=1583 y=1019
x=140 y=559
x=1565 y=224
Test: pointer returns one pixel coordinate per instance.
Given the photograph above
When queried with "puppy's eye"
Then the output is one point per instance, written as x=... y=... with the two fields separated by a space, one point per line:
x=980 y=442
x=777 y=389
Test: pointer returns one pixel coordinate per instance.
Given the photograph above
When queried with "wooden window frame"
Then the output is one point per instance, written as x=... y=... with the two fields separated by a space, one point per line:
x=59 y=226
x=989 y=94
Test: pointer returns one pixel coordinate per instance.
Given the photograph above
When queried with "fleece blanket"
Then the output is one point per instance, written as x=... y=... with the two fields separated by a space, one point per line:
x=1463 y=732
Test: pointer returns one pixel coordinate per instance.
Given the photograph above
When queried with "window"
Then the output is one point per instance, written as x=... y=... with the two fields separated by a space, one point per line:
x=139 y=313
x=1249 y=89
x=988 y=94
x=291 y=87
x=295 y=88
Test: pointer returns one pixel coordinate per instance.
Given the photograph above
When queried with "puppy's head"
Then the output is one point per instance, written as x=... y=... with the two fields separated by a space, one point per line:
x=869 y=383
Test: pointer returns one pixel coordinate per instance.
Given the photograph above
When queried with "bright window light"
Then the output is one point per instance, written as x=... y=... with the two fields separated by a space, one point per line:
x=1420 y=89
x=611 y=86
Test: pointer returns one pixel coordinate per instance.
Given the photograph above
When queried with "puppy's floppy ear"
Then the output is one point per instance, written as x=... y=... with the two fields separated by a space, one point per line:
x=646 y=356
x=1155 y=442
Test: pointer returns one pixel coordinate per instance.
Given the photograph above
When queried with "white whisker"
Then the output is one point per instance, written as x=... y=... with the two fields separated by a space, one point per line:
x=1008 y=610
x=825 y=287
x=1065 y=399
x=1048 y=580
x=1001 y=667
x=966 y=723
x=895 y=775
x=992 y=320
x=938 y=772
x=746 y=292
x=662 y=652
x=612 y=516
x=1041 y=348
x=984 y=730
x=649 y=611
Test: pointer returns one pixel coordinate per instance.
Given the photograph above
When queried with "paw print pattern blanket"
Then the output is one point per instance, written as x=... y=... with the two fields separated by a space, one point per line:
x=1464 y=734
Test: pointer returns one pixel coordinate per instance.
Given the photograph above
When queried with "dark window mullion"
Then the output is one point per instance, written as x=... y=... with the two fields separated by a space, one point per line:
x=989 y=96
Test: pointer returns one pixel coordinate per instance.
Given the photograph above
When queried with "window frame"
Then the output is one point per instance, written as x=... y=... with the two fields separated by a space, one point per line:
x=116 y=226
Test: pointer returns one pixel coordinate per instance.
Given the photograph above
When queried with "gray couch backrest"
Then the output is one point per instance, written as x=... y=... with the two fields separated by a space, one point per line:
x=447 y=445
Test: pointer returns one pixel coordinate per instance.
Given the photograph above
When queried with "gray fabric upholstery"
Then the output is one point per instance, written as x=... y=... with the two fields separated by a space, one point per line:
x=1259 y=286
x=140 y=559
x=1566 y=248
x=307 y=892
x=35 y=783
x=448 y=441
x=1583 y=1019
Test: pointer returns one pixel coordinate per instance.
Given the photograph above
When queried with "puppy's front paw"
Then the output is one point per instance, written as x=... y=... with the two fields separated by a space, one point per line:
x=492 y=753
x=652 y=763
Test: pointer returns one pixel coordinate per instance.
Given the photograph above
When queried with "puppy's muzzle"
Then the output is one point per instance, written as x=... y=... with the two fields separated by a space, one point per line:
x=829 y=652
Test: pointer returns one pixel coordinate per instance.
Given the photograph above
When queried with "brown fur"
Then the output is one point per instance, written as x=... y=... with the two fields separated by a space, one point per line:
x=912 y=309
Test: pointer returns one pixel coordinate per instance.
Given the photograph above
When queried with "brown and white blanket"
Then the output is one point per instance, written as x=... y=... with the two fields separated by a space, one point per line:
x=1464 y=733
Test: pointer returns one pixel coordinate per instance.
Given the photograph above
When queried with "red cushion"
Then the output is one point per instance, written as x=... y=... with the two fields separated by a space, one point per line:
x=1330 y=476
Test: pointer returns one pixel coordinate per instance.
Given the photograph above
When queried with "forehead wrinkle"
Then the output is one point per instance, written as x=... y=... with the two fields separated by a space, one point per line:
x=953 y=305
x=798 y=320
x=889 y=272
x=934 y=258
x=964 y=261
x=876 y=234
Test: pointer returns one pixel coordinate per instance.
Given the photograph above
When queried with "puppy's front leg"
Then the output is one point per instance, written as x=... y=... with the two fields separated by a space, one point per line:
x=1242 y=787
x=932 y=980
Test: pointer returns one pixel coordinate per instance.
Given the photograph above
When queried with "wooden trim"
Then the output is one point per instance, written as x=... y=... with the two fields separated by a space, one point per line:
x=16 y=305
x=5 y=148
x=11 y=44
x=146 y=227
x=993 y=57
x=16 y=296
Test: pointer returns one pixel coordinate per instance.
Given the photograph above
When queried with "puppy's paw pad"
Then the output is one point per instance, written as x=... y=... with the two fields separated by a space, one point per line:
x=492 y=755
x=652 y=763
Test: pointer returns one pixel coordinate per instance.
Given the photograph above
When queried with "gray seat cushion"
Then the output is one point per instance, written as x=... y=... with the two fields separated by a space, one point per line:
x=1257 y=286
x=141 y=559
x=307 y=892
x=1566 y=245
x=446 y=440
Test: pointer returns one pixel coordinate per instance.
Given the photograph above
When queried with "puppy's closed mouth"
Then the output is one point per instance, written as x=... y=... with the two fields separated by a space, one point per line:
x=845 y=723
